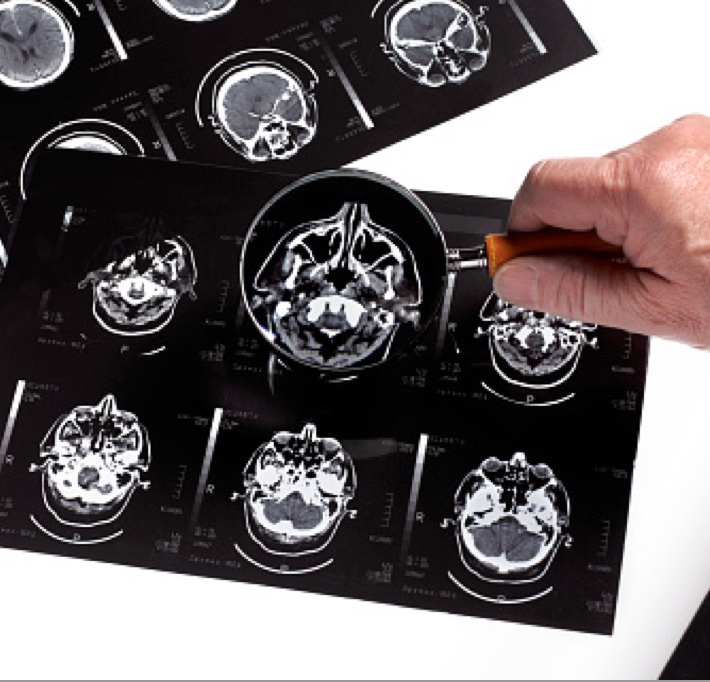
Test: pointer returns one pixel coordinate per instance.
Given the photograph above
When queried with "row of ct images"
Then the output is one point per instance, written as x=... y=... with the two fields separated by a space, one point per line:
x=510 y=517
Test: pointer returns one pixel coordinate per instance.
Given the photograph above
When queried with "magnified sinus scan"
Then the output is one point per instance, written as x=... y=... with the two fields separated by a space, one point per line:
x=94 y=458
x=533 y=349
x=436 y=42
x=196 y=10
x=261 y=104
x=511 y=518
x=141 y=280
x=36 y=44
x=298 y=487
x=333 y=292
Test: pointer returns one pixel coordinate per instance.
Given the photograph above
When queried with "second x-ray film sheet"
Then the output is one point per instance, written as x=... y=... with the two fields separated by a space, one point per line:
x=287 y=87
x=145 y=420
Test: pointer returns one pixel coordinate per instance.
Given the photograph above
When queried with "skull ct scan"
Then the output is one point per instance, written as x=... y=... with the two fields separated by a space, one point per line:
x=264 y=112
x=533 y=349
x=93 y=460
x=86 y=134
x=511 y=518
x=137 y=291
x=196 y=10
x=333 y=292
x=436 y=42
x=298 y=487
x=36 y=44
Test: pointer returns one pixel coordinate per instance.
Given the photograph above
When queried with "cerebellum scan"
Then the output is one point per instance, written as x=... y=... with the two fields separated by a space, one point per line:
x=141 y=280
x=298 y=487
x=94 y=458
x=334 y=292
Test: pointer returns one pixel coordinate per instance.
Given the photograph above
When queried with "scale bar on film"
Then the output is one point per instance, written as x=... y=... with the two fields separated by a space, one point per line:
x=414 y=495
x=445 y=313
x=354 y=97
x=204 y=474
x=108 y=24
x=528 y=27
x=169 y=151
x=11 y=420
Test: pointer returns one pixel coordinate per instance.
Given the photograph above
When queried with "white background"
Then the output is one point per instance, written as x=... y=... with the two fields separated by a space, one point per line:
x=65 y=618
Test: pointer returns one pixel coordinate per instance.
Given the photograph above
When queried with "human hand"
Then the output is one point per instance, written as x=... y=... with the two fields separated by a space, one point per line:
x=652 y=199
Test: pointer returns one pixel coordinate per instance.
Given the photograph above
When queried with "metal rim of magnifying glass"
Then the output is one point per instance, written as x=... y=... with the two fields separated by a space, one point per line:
x=434 y=235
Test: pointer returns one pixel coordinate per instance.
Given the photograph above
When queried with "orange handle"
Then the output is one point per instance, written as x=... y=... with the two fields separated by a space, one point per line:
x=504 y=247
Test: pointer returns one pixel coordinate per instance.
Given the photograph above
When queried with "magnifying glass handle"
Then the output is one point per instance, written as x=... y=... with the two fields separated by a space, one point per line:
x=501 y=248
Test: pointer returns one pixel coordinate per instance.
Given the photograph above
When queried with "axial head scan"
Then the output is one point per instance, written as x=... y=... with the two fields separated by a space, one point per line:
x=530 y=348
x=94 y=458
x=90 y=143
x=196 y=10
x=511 y=518
x=36 y=44
x=298 y=486
x=333 y=292
x=137 y=291
x=264 y=112
x=436 y=42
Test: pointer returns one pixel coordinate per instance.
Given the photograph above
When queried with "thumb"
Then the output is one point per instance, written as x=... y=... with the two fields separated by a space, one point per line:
x=587 y=289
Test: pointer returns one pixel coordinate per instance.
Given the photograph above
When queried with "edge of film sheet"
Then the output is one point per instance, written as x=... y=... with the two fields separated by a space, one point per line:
x=146 y=419
x=266 y=84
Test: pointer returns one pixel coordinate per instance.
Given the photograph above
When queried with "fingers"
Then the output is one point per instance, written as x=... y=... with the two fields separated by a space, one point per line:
x=609 y=294
x=576 y=194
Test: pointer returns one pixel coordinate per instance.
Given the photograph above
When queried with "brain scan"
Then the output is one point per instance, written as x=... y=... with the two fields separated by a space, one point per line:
x=91 y=143
x=196 y=10
x=264 y=112
x=137 y=291
x=36 y=44
x=298 y=486
x=530 y=348
x=88 y=134
x=436 y=42
x=333 y=292
x=94 y=458
x=511 y=518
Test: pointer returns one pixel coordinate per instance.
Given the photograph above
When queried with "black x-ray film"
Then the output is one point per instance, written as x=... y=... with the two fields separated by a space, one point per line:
x=259 y=83
x=146 y=421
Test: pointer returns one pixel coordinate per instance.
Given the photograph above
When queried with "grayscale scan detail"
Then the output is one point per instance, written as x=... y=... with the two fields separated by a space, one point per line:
x=36 y=44
x=336 y=290
x=93 y=459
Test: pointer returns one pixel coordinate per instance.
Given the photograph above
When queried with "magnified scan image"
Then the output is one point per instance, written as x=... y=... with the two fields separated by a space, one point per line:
x=533 y=349
x=262 y=104
x=36 y=44
x=511 y=518
x=143 y=278
x=334 y=292
x=298 y=487
x=196 y=10
x=436 y=42
x=93 y=460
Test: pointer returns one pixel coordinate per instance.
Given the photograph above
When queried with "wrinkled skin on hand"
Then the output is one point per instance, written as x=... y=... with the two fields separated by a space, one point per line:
x=653 y=200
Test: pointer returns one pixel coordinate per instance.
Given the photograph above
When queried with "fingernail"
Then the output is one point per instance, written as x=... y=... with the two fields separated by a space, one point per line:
x=516 y=283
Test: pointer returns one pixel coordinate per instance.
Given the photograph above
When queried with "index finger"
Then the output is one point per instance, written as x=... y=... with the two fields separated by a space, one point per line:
x=574 y=194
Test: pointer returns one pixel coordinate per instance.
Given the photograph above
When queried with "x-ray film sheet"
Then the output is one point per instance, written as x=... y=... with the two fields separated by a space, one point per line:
x=259 y=83
x=145 y=421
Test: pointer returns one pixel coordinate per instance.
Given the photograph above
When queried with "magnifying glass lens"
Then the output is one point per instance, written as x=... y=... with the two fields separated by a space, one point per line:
x=337 y=270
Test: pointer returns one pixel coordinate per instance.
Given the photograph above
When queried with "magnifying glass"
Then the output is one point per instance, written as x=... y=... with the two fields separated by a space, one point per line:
x=343 y=270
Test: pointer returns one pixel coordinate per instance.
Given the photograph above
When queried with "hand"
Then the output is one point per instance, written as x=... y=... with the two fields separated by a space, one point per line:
x=653 y=200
